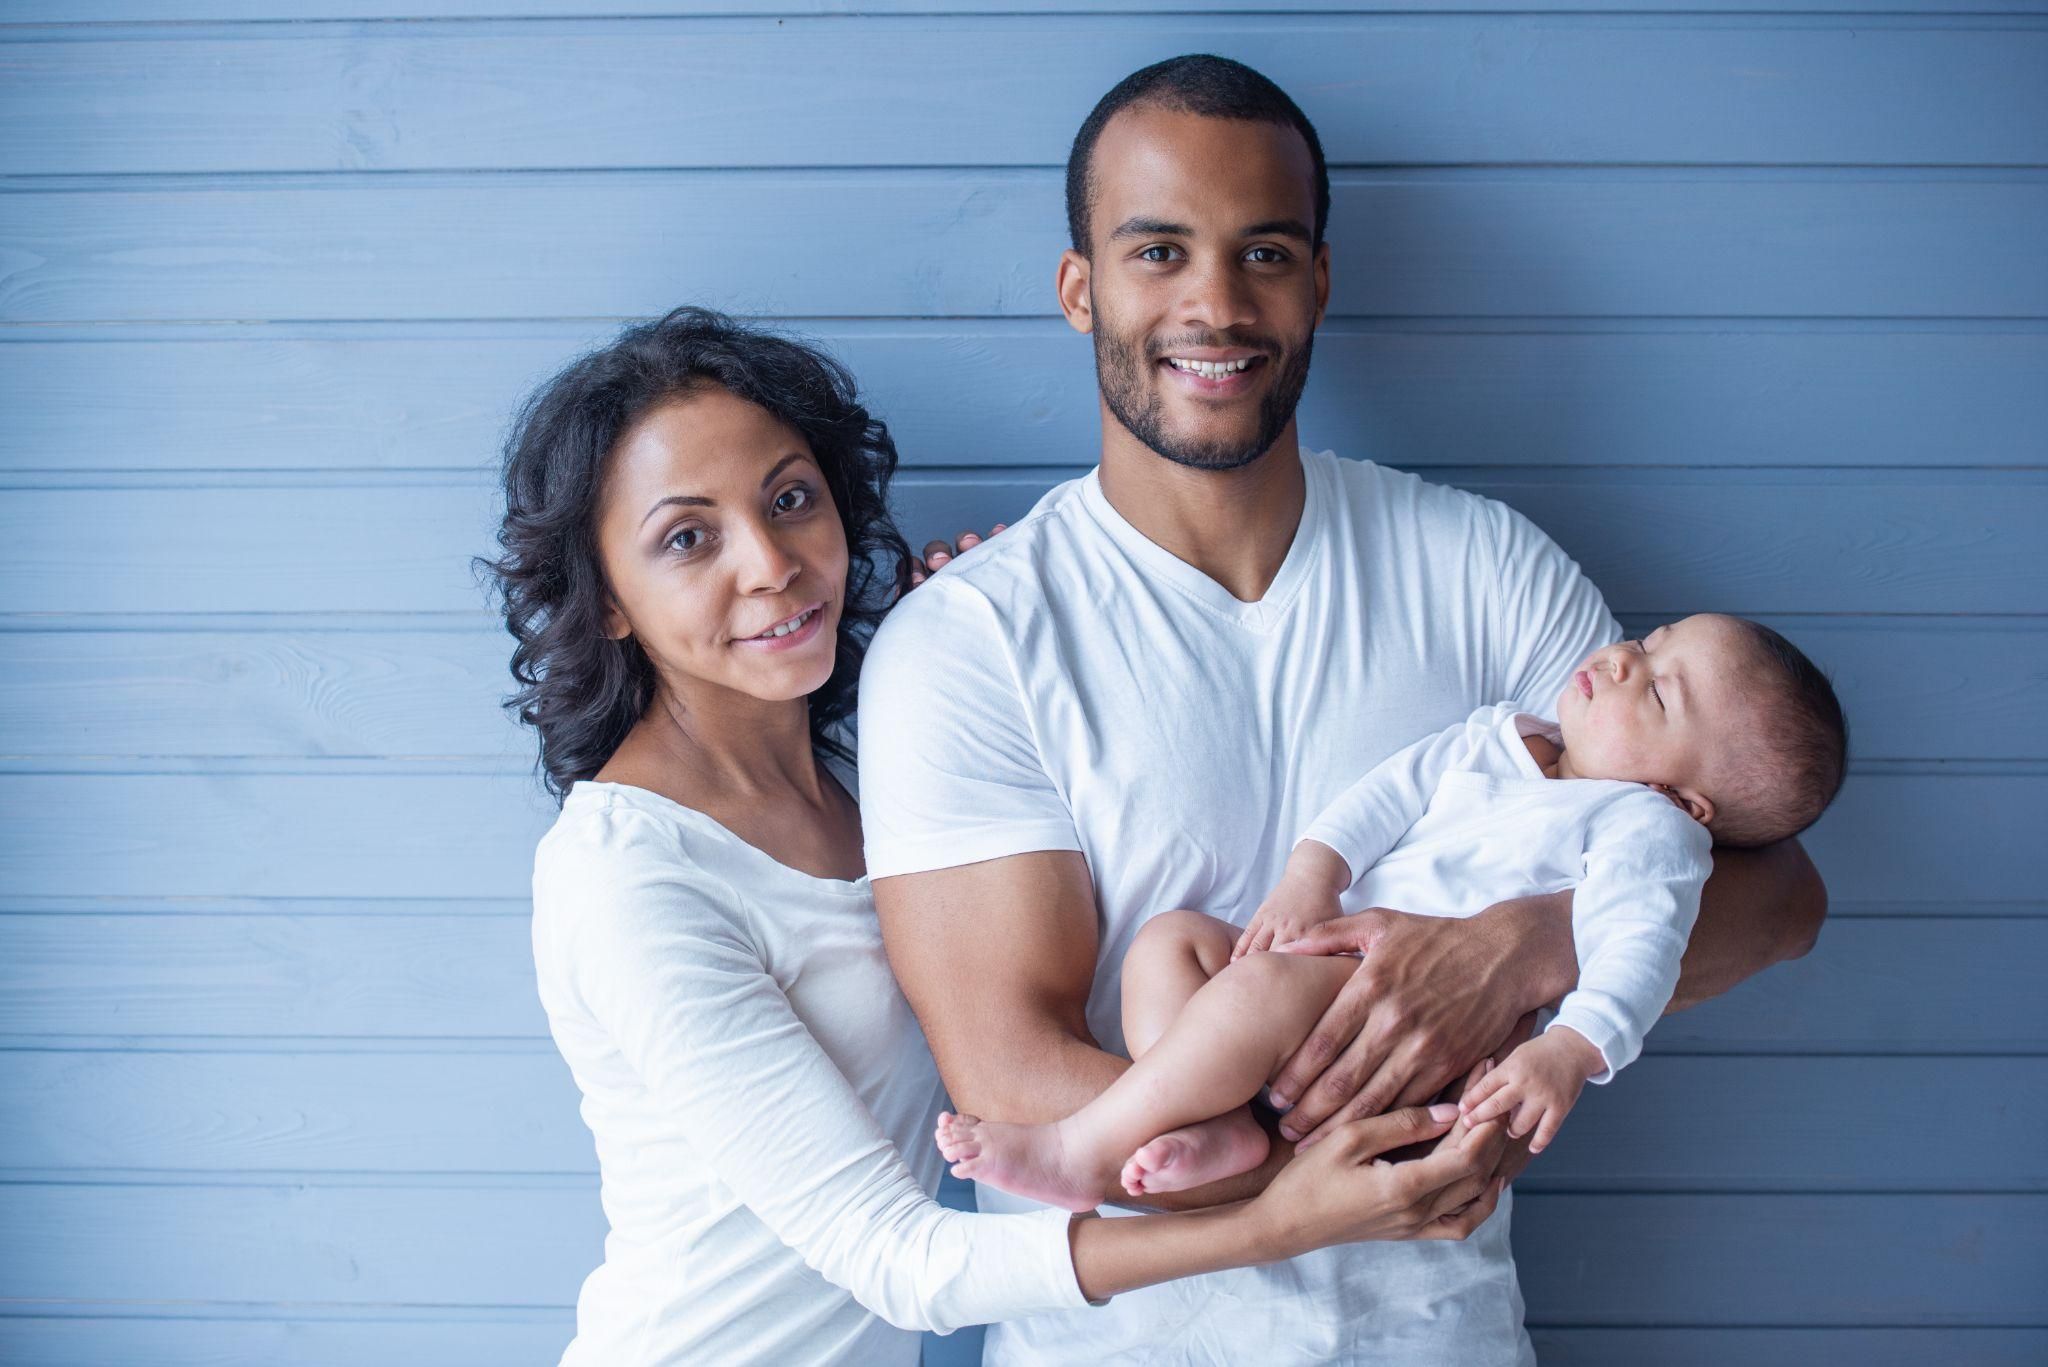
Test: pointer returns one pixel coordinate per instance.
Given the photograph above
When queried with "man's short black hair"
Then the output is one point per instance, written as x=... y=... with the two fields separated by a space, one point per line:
x=1213 y=87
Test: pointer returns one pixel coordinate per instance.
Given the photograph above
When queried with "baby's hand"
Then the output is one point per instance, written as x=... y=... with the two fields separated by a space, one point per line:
x=1305 y=896
x=1536 y=1085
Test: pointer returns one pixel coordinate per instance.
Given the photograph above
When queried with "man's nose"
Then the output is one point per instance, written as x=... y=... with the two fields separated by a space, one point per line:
x=1217 y=298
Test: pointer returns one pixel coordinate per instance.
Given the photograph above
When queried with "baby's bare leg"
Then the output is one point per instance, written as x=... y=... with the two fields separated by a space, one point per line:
x=1227 y=1042
x=1173 y=957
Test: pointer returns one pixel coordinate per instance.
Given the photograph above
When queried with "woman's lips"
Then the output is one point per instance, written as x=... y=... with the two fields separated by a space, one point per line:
x=1584 y=681
x=813 y=623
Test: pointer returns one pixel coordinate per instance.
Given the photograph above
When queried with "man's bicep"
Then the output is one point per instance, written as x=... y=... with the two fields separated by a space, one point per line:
x=950 y=768
x=997 y=959
x=1550 y=615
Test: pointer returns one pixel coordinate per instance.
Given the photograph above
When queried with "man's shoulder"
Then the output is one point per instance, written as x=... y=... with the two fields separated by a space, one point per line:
x=1007 y=573
x=1395 y=492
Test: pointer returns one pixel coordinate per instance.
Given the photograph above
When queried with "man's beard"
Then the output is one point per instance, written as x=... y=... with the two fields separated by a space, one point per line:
x=1123 y=371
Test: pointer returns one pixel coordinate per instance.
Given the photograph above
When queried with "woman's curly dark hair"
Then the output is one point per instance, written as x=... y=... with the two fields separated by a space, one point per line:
x=581 y=690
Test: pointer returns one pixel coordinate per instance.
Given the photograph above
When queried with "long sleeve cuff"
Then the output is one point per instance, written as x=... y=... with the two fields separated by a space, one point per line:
x=1009 y=1266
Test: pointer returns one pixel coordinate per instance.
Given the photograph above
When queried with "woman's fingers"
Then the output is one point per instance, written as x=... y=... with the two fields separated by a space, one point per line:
x=1460 y=1224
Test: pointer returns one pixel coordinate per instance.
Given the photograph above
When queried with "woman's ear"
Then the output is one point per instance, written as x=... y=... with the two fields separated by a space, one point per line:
x=616 y=627
x=1696 y=805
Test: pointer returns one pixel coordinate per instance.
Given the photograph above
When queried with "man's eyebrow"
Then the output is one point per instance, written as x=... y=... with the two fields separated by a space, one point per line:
x=1279 y=227
x=1150 y=227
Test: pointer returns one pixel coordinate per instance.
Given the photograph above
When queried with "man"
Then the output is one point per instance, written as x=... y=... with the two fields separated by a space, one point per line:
x=1157 y=679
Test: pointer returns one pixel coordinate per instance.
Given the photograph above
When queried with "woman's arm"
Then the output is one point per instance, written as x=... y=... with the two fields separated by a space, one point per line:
x=1338 y=1192
x=677 y=985
x=661 y=958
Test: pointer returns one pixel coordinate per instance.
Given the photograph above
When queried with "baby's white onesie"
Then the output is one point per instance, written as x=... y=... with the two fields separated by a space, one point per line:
x=1465 y=818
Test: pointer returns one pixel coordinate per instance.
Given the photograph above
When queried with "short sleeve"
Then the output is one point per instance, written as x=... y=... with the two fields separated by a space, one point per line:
x=1548 y=615
x=950 y=770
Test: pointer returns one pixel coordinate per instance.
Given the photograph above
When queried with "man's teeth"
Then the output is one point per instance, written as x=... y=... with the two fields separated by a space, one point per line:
x=1210 y=370
x=793 y=624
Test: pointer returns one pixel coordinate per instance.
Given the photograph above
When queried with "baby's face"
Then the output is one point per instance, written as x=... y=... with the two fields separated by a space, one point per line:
x=1666 y=710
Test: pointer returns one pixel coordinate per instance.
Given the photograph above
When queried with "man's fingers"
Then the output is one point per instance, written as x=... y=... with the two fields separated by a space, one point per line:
x=1338 y=1027
x=1407 y=1068
x=1330 y=1063
x=936 y=553
x=1000 y=526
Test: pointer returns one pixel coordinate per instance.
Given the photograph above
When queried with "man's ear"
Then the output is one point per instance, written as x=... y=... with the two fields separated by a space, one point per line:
x=1694 y=804
x=1071 y=284
x=1322 y=281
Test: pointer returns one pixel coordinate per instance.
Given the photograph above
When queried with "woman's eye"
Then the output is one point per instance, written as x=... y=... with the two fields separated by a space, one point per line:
x=793 y=500
x=686 y=539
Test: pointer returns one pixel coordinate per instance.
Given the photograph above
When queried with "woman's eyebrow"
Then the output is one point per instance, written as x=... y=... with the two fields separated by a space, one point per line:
x=780 y=466
x=674 y=500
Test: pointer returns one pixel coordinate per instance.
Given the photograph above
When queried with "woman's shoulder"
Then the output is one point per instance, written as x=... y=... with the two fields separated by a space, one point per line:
x=615 y=850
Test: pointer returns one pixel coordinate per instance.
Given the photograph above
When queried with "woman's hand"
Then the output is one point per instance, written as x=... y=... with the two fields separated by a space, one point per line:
x=1343 y=1191
x=937 y=553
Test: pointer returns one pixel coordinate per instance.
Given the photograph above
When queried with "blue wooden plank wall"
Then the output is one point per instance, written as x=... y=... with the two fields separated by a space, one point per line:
x=1749 y=308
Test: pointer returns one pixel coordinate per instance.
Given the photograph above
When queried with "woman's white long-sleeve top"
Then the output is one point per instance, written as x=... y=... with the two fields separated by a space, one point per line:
x=762 y=1101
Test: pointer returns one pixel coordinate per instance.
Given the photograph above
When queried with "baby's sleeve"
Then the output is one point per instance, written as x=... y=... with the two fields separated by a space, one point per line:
x=1632 y=913
x=1370 y=817
x=662 y=960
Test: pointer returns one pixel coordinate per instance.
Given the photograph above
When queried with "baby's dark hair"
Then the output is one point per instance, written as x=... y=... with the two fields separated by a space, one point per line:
x=1796 y=756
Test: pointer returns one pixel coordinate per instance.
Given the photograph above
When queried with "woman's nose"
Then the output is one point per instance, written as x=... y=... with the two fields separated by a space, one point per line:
x=769 y=567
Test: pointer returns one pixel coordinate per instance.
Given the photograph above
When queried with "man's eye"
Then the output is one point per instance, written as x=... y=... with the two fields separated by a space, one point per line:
x=1163 y=250
x=1267 y=256
x=793 y=500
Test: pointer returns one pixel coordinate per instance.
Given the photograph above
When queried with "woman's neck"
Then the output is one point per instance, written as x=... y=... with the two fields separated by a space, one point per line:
x=708 y=753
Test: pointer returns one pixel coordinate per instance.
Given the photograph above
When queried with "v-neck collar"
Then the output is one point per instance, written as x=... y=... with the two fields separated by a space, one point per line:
x=1261 y=614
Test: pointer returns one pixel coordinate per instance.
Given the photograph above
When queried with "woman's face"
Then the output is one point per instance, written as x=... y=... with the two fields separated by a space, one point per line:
x=723 y=550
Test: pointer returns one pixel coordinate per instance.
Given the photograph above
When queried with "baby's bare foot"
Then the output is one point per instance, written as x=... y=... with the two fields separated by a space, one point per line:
x=1223 y=1147
x=1029 y=1160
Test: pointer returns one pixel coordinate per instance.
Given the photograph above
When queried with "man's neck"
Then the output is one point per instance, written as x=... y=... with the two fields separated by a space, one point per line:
x=1233 y=525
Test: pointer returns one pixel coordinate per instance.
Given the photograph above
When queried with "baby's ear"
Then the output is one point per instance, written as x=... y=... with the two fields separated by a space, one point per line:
x=1696 y=805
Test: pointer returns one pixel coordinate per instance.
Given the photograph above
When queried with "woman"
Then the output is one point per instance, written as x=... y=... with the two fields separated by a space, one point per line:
x=695 y=547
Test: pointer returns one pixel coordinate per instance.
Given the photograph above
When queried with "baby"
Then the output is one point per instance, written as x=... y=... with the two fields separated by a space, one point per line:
x=1708 y=729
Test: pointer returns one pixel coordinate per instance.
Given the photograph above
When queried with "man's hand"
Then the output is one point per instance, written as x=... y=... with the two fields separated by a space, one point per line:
x=1432 y=995
x=1305 y=897
x=937 y=553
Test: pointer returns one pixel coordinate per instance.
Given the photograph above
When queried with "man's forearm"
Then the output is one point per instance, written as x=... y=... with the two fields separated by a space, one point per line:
x=1049 y=1073
x=1760 y=907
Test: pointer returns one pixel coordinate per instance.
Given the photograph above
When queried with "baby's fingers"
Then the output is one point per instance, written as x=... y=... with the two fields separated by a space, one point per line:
x=1494 y=1096
x=1244 y=941
x=1547 y=1128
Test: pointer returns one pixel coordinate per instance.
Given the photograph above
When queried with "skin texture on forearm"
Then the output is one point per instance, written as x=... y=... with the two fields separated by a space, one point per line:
x=1759 y=908
x=997 y=960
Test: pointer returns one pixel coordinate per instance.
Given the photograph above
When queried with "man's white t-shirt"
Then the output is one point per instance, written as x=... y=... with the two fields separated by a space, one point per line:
x=1072 y=686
